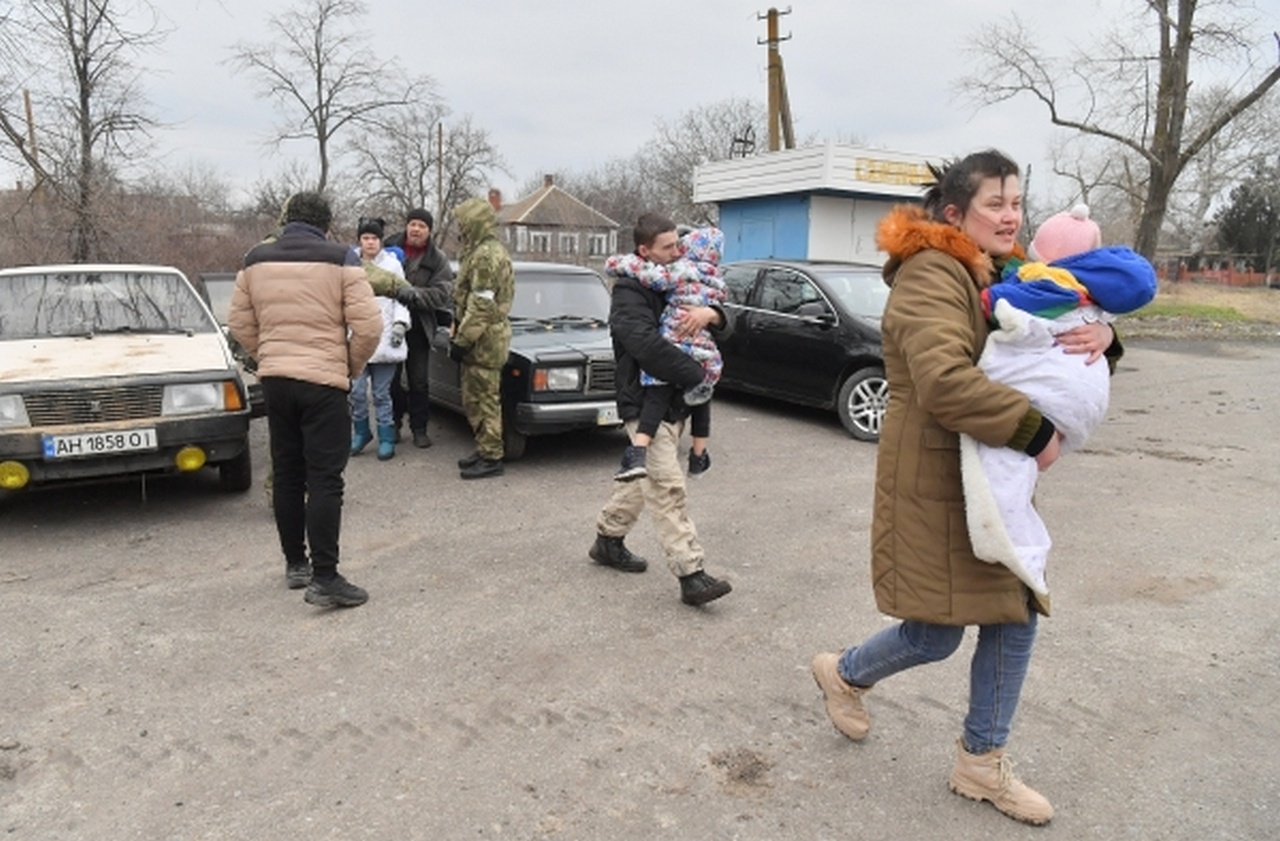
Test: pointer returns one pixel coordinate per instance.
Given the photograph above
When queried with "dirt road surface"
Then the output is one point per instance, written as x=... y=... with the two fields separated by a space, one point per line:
x=159 y=682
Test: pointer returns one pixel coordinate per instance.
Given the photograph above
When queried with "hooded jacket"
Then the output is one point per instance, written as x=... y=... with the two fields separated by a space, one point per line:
x=484 y=288
x=923 y=567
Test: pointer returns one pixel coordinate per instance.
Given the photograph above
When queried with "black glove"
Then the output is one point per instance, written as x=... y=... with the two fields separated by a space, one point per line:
x=410 y=297
x=458 y=353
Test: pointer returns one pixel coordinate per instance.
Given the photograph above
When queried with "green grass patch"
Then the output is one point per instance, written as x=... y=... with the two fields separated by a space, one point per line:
x=1200 y=312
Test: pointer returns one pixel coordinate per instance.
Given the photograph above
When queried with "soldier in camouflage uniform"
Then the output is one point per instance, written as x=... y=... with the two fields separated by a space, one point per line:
x=482 y=296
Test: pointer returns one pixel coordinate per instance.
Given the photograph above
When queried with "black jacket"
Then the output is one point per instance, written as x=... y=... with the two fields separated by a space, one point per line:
x=634 y=318
x=432 y=274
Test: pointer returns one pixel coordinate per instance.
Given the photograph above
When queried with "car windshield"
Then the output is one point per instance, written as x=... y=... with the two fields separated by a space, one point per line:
x=79 y=303
x=861 y=291
x=219 y=288
x=548 y=296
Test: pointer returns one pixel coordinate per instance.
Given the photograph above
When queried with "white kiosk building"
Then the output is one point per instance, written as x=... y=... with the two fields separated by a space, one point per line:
x=818 y=203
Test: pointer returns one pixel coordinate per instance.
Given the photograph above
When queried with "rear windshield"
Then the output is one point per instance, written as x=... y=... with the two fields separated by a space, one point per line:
x=43 y=305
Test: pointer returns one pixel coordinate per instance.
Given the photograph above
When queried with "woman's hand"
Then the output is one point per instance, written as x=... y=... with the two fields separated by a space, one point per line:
x=1093 y=339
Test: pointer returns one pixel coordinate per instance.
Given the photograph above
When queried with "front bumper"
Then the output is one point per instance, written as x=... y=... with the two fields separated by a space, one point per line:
x=221 y=437
x=547 y=418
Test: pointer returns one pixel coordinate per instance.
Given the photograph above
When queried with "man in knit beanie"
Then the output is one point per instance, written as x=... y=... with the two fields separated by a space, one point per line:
x=431 y=290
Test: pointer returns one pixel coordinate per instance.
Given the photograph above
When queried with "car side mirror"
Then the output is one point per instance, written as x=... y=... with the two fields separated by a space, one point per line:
x=815 y=312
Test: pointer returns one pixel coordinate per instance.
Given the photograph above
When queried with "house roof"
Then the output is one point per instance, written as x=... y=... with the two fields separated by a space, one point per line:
x=550 y=207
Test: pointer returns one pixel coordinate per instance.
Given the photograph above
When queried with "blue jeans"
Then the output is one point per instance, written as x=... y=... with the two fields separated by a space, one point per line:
x=380 y=374
x=995 y=675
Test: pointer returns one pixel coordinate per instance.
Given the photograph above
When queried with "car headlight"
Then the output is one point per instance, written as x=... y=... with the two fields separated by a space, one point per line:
x=558 y=379
x=192 y=398
x=13 y=412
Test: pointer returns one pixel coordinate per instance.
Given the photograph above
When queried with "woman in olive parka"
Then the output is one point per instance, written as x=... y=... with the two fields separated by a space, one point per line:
x=924 y=571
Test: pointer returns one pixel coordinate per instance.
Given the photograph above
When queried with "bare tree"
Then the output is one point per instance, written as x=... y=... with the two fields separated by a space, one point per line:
x=697 y=136
x=75 y=57
x=1131 y=89
x=317 y=68
x=418 y=158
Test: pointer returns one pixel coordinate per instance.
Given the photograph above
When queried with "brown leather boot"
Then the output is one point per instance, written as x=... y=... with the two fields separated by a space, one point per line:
x=989 y=776
x=844 y=700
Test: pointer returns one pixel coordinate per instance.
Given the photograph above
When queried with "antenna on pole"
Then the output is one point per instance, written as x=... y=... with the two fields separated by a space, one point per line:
x=779 y=105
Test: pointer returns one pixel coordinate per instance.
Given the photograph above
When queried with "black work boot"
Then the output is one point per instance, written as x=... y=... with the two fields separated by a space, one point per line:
x=612 y=552
x=700 y=588
x=467 y=461
x=482 y=469
x=421 y=439
x=334 y=592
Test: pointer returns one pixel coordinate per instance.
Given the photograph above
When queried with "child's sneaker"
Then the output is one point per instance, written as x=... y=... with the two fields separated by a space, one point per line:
x=699 y=463
x=632 y=465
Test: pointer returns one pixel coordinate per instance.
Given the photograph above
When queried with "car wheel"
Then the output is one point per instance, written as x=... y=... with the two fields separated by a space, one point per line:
x=513 y=441
x=862 y=402
x=236 y=475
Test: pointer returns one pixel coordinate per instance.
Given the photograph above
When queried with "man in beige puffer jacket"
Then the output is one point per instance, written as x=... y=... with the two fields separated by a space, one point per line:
x=304 y=309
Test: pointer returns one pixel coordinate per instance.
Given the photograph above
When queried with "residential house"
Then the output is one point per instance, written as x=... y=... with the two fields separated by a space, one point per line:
x=552 y=226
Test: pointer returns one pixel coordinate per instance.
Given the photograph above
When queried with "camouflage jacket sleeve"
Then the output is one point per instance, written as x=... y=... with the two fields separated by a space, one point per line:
x=384 y=282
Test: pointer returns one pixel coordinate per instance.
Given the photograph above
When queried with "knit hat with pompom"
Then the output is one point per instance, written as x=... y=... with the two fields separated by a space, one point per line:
x=1064 y=234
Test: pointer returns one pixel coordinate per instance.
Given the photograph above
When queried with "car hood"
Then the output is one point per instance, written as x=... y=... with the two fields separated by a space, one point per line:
x=555 y=341
x=77 y=357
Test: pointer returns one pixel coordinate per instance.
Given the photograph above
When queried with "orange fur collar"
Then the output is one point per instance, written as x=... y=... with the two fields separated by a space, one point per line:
x=907 y=230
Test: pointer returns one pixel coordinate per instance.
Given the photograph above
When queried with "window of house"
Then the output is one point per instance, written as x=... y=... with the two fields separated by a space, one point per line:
x=568 y=244
x=597 y=245
x=522 y=238
x=540 y=242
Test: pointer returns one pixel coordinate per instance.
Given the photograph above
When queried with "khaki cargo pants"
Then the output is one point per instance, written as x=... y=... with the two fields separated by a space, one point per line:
x=664 y=492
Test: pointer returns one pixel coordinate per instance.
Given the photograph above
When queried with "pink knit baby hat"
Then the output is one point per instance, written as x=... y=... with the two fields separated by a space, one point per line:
x=1064 y=234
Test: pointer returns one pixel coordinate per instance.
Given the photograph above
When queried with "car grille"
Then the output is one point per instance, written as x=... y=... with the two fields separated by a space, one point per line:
x=600 y=376
x=93 y=405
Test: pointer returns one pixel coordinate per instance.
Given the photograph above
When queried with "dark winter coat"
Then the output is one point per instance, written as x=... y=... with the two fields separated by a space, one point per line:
x=635 y=316
x=432 y=275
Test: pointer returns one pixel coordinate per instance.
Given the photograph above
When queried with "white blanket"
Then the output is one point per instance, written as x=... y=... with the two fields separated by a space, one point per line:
x=999 y=482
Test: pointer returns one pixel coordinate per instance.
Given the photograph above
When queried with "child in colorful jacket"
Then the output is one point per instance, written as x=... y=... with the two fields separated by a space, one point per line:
x=693 y=280
x=1074 y=280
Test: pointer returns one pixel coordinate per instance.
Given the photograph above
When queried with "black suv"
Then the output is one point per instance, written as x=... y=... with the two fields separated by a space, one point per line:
x=559 y=375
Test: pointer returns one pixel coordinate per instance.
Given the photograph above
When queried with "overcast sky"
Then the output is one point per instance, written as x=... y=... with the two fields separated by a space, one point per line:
x=565 y=85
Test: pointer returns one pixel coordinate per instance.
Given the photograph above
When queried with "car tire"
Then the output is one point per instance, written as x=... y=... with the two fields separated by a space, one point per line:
x=513 y=441
x=236 y=475
x=862 y=401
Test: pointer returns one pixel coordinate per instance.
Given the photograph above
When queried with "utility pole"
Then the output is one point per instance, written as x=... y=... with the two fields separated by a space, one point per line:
x=437 y=232
x=38 y=186
x=779 y=105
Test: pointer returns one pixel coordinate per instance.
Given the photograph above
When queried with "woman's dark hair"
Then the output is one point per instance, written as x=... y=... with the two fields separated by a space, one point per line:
x=956 y=181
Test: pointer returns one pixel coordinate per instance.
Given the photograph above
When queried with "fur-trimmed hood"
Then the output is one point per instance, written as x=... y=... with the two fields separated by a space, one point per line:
x=907 y=230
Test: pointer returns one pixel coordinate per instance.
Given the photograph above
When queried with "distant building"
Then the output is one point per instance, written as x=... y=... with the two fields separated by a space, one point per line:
x=817 y=203
x=552 y=226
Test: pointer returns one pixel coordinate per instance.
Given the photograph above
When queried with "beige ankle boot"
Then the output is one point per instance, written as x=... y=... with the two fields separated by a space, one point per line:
x=844 y=701
x=989 y=776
